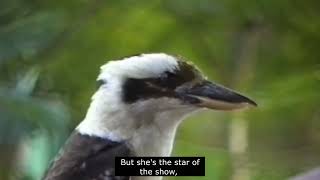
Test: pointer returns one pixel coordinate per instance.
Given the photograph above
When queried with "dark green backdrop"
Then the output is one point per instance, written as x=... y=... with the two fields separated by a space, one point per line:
x=50 y=53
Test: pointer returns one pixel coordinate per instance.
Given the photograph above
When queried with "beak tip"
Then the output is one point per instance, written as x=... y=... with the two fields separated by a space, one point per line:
x=250 y=102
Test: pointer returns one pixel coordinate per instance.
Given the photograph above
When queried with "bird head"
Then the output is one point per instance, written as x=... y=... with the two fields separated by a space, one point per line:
x=164 y=82
x=152 y=90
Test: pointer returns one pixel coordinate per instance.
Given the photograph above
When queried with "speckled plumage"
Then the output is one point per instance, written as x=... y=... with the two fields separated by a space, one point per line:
x=87 y=158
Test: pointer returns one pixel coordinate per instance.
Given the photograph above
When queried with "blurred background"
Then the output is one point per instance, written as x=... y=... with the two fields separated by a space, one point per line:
x=51 y=51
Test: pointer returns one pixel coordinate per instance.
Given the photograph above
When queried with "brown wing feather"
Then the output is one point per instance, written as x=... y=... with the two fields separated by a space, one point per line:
x=86 y=158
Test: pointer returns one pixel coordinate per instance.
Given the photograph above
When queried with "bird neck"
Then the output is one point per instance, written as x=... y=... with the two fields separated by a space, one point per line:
x=150 y=131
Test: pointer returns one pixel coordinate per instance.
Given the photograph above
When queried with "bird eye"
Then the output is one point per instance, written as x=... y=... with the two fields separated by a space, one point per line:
x=170 y=75
x=167 y=79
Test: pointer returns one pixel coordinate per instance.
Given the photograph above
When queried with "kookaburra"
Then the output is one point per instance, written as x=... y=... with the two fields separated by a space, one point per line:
x=140 y=102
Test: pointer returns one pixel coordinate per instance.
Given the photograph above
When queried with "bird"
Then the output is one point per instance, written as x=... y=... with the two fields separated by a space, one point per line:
x=136 y=110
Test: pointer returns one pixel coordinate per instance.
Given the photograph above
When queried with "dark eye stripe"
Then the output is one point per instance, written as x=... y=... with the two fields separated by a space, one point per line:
x=169 y=80
x=138 y=89
x=163 y=86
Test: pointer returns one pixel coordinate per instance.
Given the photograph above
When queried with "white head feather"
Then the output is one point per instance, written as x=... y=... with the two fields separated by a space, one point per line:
x=139 y=67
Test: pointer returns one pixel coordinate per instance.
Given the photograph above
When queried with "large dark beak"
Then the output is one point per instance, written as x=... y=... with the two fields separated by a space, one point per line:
x=209 y=95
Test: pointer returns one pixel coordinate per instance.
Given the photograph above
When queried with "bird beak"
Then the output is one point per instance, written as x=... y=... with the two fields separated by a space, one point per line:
x=213 y=96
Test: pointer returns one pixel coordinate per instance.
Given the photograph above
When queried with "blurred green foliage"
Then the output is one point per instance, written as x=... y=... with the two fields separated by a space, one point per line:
x=50 y=53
